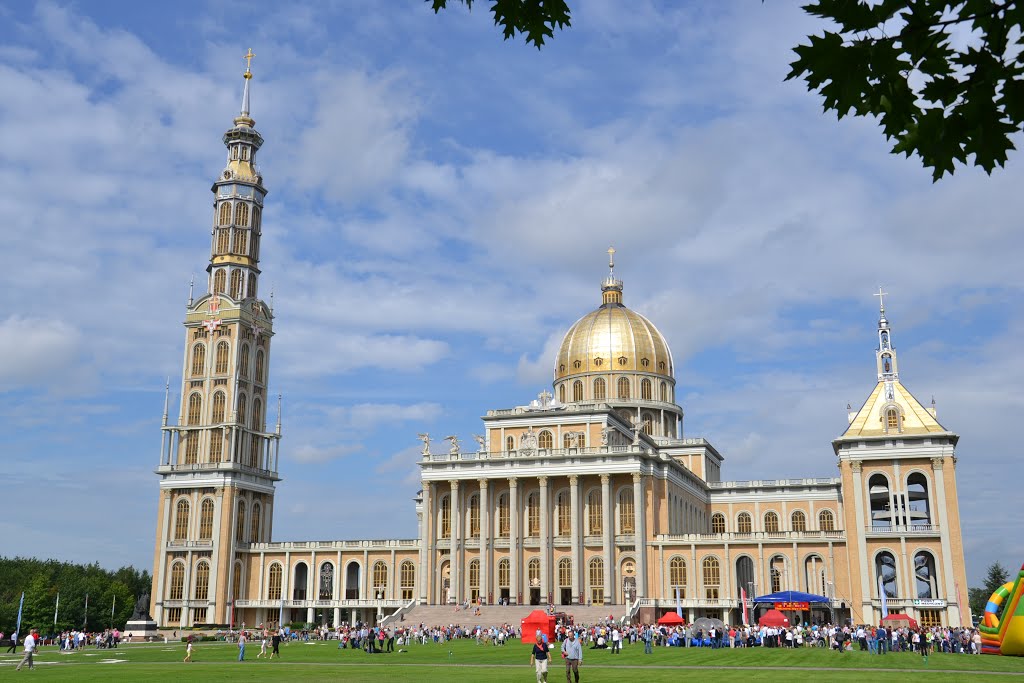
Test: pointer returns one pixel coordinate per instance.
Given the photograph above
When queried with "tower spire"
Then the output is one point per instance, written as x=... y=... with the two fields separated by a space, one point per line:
x=886 y=354
x=611 y=288
x=247 y=76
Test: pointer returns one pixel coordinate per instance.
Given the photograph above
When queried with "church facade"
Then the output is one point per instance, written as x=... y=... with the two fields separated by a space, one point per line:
x=589 y=495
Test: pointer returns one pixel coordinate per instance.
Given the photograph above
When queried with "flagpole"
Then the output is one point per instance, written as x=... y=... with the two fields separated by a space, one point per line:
x=17 y=628
x=55 y=608
x=85 y=625
x=114 y=602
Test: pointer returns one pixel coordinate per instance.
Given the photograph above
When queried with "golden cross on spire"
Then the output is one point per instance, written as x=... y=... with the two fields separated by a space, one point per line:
x=611 y=258
x=248 y=61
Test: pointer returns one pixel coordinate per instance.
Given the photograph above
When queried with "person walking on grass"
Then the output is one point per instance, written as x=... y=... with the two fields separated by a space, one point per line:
x=539 y=659
x=572 y=650
x=188 y=650
x=263 y=644
x=30 y=649
x=275 y=640
x=241 y=646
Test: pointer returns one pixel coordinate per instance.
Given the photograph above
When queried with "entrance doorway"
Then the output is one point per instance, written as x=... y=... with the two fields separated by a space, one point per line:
x=566 y=596
x=535 y=596
x=504 y=595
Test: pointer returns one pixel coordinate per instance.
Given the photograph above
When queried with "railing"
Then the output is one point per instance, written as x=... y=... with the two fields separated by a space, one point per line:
x=761 y=483
x=398 y=613
x=190 y=544
x=732 y=536
x=589 y=451
x=215 y=466
x=904 y=529
x=370 y=544
x=322 y=604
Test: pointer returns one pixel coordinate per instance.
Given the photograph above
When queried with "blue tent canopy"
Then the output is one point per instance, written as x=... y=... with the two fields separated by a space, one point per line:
x=792 y=596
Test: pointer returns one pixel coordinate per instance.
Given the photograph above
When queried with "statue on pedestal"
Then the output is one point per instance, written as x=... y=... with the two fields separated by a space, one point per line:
x=425 y=438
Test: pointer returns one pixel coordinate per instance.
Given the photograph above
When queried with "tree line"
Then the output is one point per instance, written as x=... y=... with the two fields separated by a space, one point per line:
x=42 y=580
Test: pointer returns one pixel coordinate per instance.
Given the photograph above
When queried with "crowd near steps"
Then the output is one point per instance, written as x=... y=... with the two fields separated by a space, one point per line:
x=495 y=615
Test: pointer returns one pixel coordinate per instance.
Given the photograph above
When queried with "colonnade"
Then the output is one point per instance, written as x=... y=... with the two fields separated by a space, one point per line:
x=495 y=541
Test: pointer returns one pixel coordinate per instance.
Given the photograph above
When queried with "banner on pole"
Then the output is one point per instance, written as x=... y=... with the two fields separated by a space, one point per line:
x=882 y=596
x=55 y=608
x=17 y=628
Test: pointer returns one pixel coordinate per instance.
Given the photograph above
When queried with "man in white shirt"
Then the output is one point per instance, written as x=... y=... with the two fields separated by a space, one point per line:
x=616 y=641
x=30 y=649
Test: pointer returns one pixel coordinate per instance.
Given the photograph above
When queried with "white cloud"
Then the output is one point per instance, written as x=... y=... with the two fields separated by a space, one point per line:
x=35 y=351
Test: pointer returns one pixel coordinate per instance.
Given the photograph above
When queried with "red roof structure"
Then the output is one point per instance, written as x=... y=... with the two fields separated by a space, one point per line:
x=671 y=619
x=773 y=617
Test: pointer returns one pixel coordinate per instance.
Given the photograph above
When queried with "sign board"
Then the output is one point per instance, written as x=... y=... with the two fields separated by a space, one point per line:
x=922 y=602
x=792 y=606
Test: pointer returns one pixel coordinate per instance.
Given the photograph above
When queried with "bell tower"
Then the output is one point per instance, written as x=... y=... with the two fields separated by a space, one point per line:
x=218 y=462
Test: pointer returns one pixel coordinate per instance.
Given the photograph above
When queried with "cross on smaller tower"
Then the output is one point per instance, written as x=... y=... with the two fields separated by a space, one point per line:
x=248 y=61
x=211 y=324
x=881 y=299
x=611 y=259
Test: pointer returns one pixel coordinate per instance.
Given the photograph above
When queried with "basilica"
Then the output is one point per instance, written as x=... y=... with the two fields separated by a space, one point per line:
x=590 y=496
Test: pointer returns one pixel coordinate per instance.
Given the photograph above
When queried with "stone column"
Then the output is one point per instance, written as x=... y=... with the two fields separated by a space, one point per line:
x=485 y=541
x=640 y=534
x=609 y=538
x=426 y=573
x=545 y=542
x=866 y=579
x=514 y=545
x=574 y=531
x=948 y=570
x=456 y=535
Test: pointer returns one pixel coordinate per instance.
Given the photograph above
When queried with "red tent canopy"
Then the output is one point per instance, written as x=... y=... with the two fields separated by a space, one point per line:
x=899 y=621
x=773 y=617
x=671 y=619
x=536 y=620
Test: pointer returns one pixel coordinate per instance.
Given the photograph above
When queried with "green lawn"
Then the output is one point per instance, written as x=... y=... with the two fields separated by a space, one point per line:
x=466 y=661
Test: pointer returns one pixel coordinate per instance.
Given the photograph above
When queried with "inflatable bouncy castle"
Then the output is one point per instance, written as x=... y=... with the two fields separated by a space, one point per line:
x=1002 y=627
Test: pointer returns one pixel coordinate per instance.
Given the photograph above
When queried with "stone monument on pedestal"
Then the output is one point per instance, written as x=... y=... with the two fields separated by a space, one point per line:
x=141 y=625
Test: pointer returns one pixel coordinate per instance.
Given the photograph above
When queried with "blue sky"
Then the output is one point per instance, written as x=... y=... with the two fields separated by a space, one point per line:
x=440 y=204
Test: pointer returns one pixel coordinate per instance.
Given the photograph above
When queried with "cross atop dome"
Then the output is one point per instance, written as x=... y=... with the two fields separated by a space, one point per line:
x=611 y=289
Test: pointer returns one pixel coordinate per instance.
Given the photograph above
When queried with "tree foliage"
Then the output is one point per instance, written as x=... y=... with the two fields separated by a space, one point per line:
x=995 y=577
x=536 y=19
x=41 y=580
x=945 y=78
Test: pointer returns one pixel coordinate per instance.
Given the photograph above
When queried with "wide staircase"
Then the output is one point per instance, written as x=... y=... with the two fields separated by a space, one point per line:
x=493 y=615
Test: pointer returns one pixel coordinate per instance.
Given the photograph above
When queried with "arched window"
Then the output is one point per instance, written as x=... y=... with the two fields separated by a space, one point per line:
x=219 y=406
x=545 y=440
x=677 y=577
x=799 y=521
x=177 y=591
x=561 y=393
x=225 y=213
x=645 y=389
x=236 y=284
x=195 y=408
x=206 y=520
x=510 y=443
x=236 y=582
x=647 y=423
x=241 y=243
x=892 y=420
x=198 y=359
x=595 y=524
x=242 y=405
x=257 y=415
x=718 y=523
x=886 y=363
x=533 y=515
x=219 y=278
x=221 y=364
x=223 y=244
x=474 y=580
x=663 y=392
x=577 y=390
x=254 y=535
x=241 y=213
x=771 y=522
x=533 y=572
x=626 y=511
x=600 y=391
x=274 y=584
x=300 y=581
x=567 y=440
x=181 y=520
x=885 y=574
x=202 y=591
x=257 y=218
x=743 y=523
x=504 y=571
x=474 y=516
x=826 y=520
x=712 y=578
x=623 y=387
x=744 y=575
x=565 y=573
x=380 y=580
x=503 y=518
x=252 y=285
x=446 y=517
x=353 y=581
x=240 y=522
x=407 y=579
x=564 y=514
x=814 y=575
x=924 y=575
x=243 y=362
x=881 y=503
x=597 y=581
x=776 y=570
x=918 y=512
x=326 y=590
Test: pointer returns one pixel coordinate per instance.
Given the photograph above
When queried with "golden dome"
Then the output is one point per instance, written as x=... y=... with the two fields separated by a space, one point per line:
x=612 y=340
